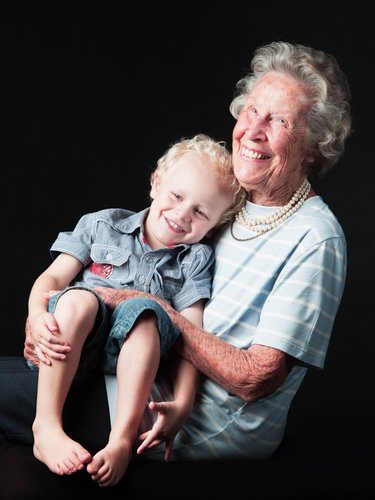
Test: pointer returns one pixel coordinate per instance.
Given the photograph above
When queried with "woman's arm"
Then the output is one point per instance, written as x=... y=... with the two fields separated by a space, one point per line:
x=250 y=374
x=186 y=376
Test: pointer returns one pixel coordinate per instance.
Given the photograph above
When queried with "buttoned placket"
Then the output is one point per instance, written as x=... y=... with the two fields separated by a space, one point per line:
x=145 y=271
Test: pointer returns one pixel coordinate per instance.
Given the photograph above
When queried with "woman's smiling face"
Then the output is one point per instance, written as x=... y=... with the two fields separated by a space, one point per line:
x=269 y=139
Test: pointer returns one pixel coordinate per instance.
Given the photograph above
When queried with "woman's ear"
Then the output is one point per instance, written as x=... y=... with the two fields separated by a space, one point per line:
x=310 y=158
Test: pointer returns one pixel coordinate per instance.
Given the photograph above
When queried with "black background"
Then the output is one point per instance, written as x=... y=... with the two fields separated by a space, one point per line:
x=93 y=93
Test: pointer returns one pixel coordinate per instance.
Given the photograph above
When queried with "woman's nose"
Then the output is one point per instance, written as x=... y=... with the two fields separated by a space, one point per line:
x=255 y=129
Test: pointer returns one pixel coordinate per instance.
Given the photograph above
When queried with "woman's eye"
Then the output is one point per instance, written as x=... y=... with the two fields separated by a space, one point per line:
x=281 y=121
x=252 y=111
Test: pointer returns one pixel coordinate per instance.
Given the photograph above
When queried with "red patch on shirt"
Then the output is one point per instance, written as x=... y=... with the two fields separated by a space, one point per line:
x=103 y=270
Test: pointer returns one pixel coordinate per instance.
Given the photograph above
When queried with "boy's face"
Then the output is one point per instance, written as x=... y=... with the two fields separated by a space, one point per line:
x=187 y=203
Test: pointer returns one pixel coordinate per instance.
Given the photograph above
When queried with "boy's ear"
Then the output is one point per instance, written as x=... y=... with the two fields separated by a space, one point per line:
x=155 y=183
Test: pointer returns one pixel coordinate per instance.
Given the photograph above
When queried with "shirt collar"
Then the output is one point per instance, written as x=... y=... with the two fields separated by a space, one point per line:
x=133 y=222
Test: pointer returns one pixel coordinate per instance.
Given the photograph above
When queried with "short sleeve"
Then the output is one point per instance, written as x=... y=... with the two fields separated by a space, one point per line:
x=299 y=313
x=77 y=242
x=197 y=270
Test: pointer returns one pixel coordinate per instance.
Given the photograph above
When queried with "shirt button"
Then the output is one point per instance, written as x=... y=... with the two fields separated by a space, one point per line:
x=108 y=256
x=149 y=259
x=141 y=280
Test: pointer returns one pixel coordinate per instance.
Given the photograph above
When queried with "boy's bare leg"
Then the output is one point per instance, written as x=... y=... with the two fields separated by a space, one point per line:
x=136 y=370
x=75 y=314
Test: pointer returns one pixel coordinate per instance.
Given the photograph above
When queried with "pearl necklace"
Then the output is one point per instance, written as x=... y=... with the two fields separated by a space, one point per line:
x=268 y=223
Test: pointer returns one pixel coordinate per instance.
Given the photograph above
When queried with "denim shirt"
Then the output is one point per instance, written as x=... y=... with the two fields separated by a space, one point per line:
x=111 y=247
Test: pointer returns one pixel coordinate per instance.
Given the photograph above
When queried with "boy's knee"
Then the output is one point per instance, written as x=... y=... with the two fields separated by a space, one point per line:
x=80 y=302
x=149 y=317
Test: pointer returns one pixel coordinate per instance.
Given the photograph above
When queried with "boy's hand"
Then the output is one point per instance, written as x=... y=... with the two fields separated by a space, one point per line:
x=29 y=347
x=42 y=333
x=169 y=421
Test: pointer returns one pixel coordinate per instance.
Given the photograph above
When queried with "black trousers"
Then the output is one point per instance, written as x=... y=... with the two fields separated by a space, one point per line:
x=86 y=414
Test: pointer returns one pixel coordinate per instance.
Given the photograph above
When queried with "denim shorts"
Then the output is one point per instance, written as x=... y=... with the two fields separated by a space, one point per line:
x=94 y=344
x=103 y=345
x=121 y=323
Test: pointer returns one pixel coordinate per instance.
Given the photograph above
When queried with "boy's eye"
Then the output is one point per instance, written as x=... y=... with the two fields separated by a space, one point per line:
x=201 y=213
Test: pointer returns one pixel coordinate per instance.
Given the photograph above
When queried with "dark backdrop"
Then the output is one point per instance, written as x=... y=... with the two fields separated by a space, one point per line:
x=92 y=94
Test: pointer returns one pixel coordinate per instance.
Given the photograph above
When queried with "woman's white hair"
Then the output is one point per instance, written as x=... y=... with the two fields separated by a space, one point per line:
x=329 y=117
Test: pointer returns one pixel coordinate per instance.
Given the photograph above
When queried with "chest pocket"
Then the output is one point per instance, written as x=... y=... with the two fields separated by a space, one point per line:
x=111 y=262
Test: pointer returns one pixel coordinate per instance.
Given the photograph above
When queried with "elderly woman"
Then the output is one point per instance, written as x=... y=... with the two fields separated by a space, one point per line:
x=279 y=274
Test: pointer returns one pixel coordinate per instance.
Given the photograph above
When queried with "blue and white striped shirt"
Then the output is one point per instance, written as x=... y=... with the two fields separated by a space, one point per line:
x=282 y=290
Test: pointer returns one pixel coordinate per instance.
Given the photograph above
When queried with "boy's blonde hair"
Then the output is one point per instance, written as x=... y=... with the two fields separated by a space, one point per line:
x=219 y=161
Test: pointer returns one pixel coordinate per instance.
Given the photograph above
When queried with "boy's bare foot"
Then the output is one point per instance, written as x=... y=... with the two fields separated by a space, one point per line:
x=58 y=452
x=109 y=464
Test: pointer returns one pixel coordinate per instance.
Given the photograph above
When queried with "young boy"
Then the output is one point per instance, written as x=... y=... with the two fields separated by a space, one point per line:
x=193 y=190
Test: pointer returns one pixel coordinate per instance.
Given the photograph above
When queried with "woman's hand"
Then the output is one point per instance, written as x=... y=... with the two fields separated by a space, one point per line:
x=169 y=421
x=113 y=297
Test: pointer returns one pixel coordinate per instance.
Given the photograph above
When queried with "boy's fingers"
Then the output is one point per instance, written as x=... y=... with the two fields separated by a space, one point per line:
x=41 y=356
